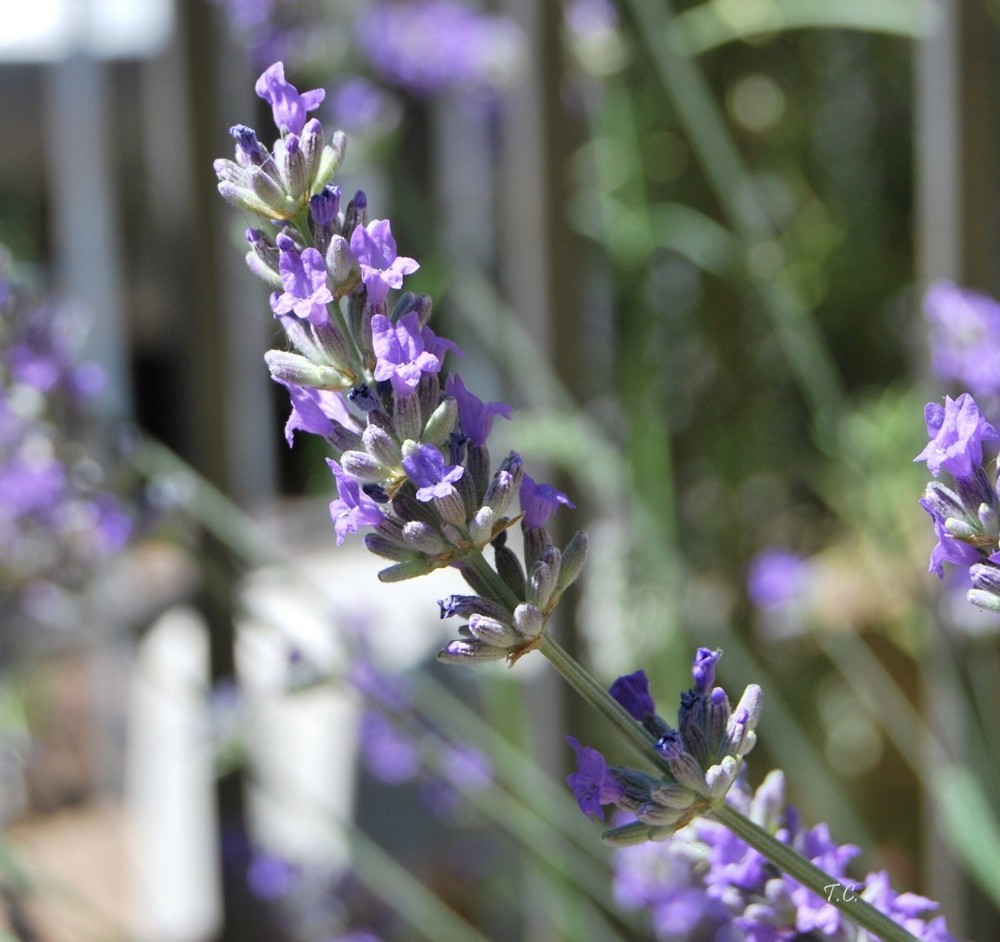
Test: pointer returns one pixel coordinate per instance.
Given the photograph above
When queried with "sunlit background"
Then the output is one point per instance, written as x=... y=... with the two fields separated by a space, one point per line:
x=689 y=246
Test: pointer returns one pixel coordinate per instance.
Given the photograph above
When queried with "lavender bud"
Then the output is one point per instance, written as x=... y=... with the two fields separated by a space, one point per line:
x=324 y=207
x=509 y=569
x=356 y=213
x=293 y=368
x=424 y=537
x=406 y=418
x=292 y=167
x=382 y=446
x=441 y=423
x=451 y=508
x=463 y=606
x=462 y=651
x=331 y=157
x=986 y=576
x=983 y=599
x=271 y=195
x=541 y=582
x=656 y=814
x=492 y=631
x=573 y=558
x=412 y=569
x=989 y=521
x=628 y=835
x=528 y=620
x=429 y=393
x=249 y=152
x=481 y=526
x=365 y=468
x=477 y=460
x=345 y=273
x=719 y=778
x=389 y=549
x=312 y=143
x=672 y=795
x=331 y=343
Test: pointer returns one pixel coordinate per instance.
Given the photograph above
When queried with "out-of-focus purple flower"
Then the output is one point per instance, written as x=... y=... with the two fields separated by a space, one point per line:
x=957 y=431
x=777 y=577
x=289 y=107
x=471 y=51
x=466 y=768
x=964 y=337
x=353 y=508
x=539 y=502
x=426 y=468
x=389 y=754
x=270 y=877
x=364 y=107
x=303 y=276
x=474 y=416
x=381 y=268
x=402 y=356
x=592 y=785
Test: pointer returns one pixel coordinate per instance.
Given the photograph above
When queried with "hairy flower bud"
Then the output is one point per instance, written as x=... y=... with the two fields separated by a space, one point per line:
x=382 y=446
x=293 y=368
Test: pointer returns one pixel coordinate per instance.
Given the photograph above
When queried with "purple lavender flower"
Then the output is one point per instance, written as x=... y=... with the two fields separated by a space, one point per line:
x=381 y=268
x=303 y=276
x=591 y=784
x=777 y=577
x=289 y=107
x=964 y=337
x=957 y=431
x=426 y=468
x=402 y=356
x=540 y=501
x=475 y=416
x=703 y=670
x=632 y=692
x=315 y=411
x=353 y=508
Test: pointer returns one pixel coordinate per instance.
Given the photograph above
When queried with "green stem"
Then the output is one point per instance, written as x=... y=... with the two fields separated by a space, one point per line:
x=781 y=855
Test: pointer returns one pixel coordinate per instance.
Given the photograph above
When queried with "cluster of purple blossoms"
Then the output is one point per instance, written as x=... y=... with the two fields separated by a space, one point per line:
x=411 y=461
x=472 y=50
x=60 y=516
x=966 y=516
x=704 y=755
x=706 y=883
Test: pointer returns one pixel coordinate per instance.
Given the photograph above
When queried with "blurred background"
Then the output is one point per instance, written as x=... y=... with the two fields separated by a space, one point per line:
x=690 y=243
